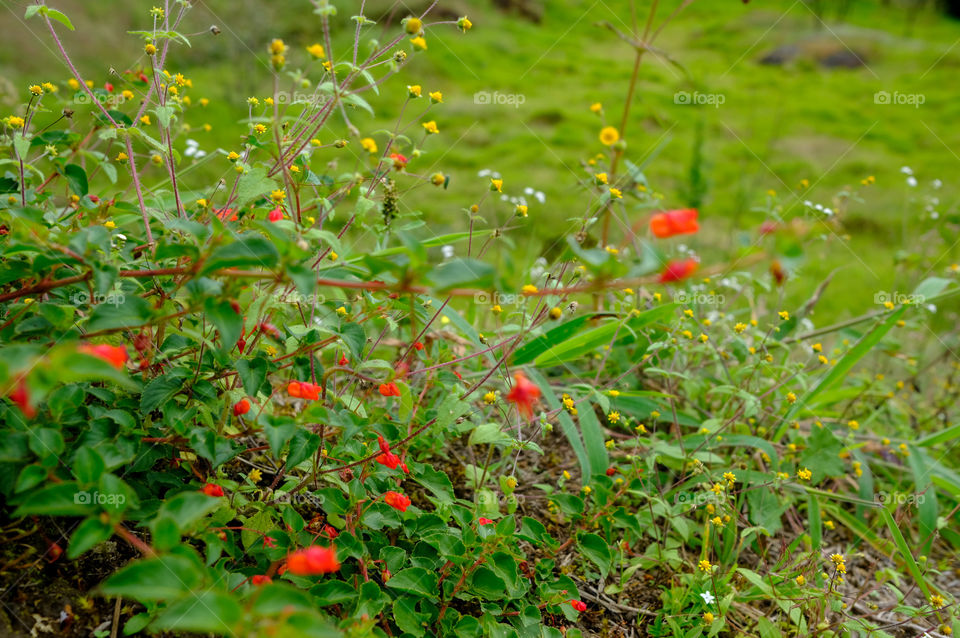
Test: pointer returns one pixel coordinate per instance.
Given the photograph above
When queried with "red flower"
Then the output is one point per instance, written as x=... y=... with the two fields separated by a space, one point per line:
x=303 y=390
x=313 y=560
x=275 y=215
x=260 y=579
x=578 y=605
x=343 y=360
x=389 y=389
x=611 y=471
x=241 y=407
x=768 y=227
x=225 y=214
x=212 y=490
x=399 y=161
x=269 y=541
x=397 y=501
x=677 y=270
x=524 y=393
x=114 y=355
x=485 y=521
x=108 y=87
x=418 y=346
x=674 y=222
x=776 y=269
x=241 y=342
x=21 y=396
x=330 y=531
x=388 y=458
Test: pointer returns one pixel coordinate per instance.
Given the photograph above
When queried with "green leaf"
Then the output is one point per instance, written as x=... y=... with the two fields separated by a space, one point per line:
x=414 y=580
x=54 y=500
x=253 y=374
x=59 y=17
x=186 y=508
x=159 y=578
x=251 y=251
x=228 y=322
x=88 y=465
x=207 y=612
x=132 y=312
x=597 y=550
x=462 y=273
x=822 y=456
x=593 y=440
x=253 y=184
x=76 y=179
x=161 y=389
x=90 y=533
x=532 y=349
x=303 y=445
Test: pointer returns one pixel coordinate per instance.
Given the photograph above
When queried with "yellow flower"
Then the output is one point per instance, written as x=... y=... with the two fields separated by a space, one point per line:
x=496 y=309
x=556 y=313
x=804 y=474
x=145 y=120
x=252 y=101
x=109 y=224
x=708 y=618
x=601 y=178
x=342 y=311
x=204 y=101
x=36 y=90
x=609 y=136
x=615 y=193
x=315 y=142
x=654 y=415
x=150 y=49
x=369 y=144
x=800 y=580
x=784 y=315
x=521 y=210
x=14 y=121
x=277 y=47
x=430 y=127
x=730 y=477
x=419 y=43
x=49 y=87
x=853 y=424
x=704 y=565
x=936 y=601
x=596 y=107
x=73 y=84
x=438 y=179
x=566 y=475
x=496 y=185
x=233 y=156
x=260 y=129
x=255 y=475
x=791 y=397
x=278 y=195
x=127 y=94
x=717 y=488
x=703 y=338
x=157 y=159
x=202 y=203
x=613 y=417
x=529 y=289
x=436 y=97
x=511 y=482
x=317 y=51
x=739 y=327
x=122 y=157
x=414 y=90
x=490 y=398
x=464 y=24
x=413 y=26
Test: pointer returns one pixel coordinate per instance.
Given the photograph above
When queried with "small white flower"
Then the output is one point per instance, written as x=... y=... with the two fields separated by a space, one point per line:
x=828 y=212
x=936 y=184
x=911 y=181
x=906 y=170
x=447 y=251
x=540 y=197
x=808 y=203
x=707 y=598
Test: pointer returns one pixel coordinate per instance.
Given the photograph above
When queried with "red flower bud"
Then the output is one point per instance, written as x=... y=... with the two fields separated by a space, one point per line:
x=212 y=490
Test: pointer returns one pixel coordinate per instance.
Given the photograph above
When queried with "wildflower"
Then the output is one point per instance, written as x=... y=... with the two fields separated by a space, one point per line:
x=654 y=415
x=436 y=97
x=438 y=179
x=399 y=161
x=14 y=121
x=521 y=210
x=578 y=605
x=389 y=389
x=430 y=127
x=114 y=355
x=791 y=397
x=739 y=327
x=675 y=222
x=800 y=580
x=259 y=129
x=804 y=474
x=708 y=618
x=388 y=458
x=524 y=394
x=145 y=120
x=490 y=398
x=36 y=90
x=419 y=43
x=609 y=136
x=839 y=562
x=212 y=490
x=369 y=144
x=464 y=24
x=704 y=565
x=511 y=482
x=303 y=390
x=414 y=90
x=20 y=395
x=596 y=107
x=150 y=49
x=677 y=270
x=496 y=309
x=729 y=477
x=413 y=26
x=717 y=521
x=556 y=313
x=703 y=338
x=936 y=601
x=397 y=501
x=853 y=424
x=600 y=178
x=484 y=521
x=317 y=51
x=529 y=289
x=615 y=193
x=278 y=195
x=313 y=560
x=241 y=407
x=260 y=579
x=717 y=488
x=342 y=311
x=784 y=315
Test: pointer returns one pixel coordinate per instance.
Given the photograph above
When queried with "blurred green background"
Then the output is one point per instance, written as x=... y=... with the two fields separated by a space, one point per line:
x=809 y=91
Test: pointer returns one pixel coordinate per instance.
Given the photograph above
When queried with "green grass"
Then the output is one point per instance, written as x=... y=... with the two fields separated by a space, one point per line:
x=777 y=126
